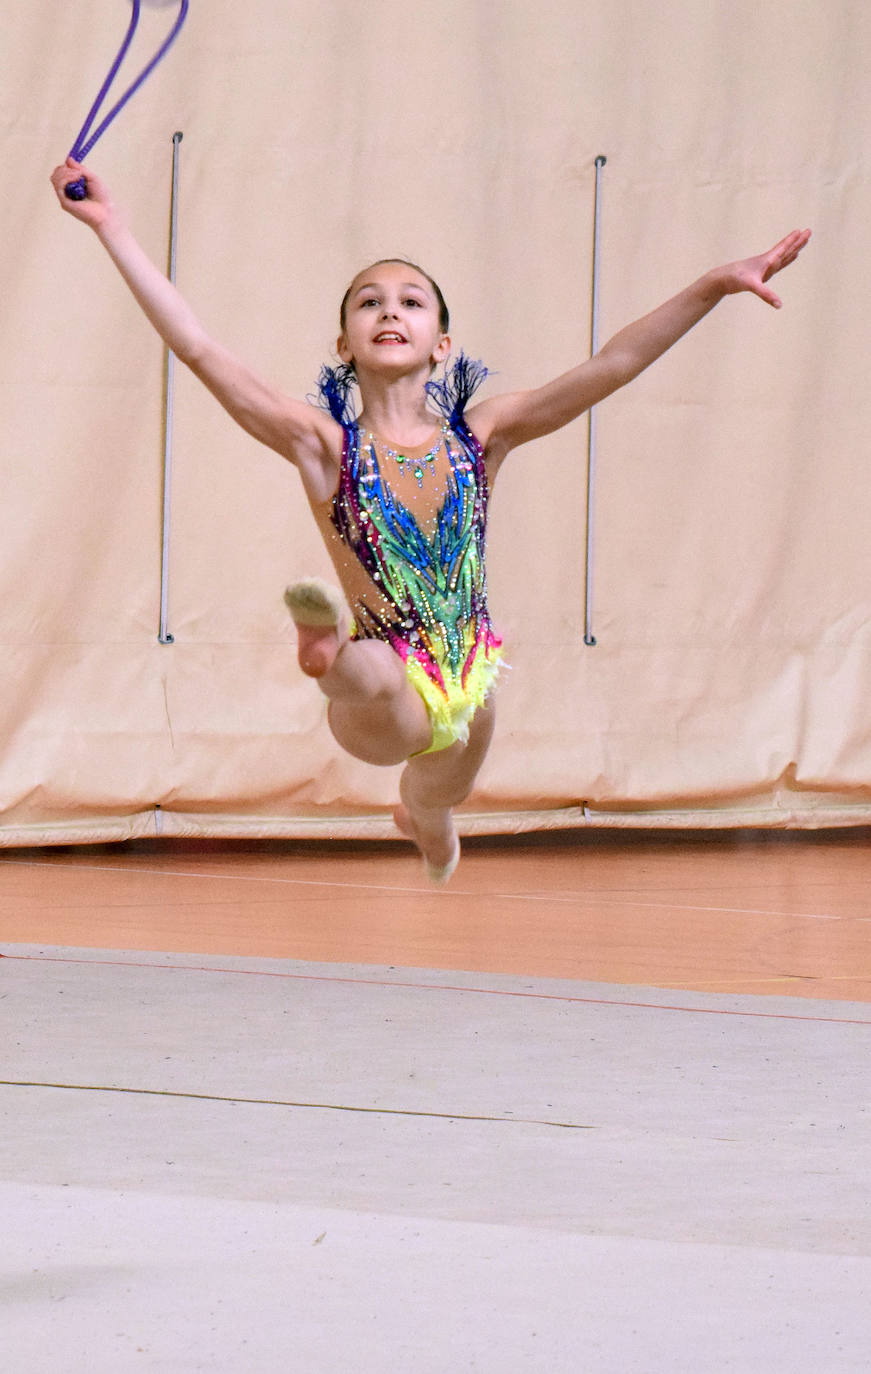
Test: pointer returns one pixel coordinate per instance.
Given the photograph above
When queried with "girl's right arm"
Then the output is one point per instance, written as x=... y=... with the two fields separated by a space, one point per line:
x=299 y=432
x=503 y=422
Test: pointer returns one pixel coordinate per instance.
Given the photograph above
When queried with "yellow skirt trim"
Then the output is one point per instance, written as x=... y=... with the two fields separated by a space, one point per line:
x=450 y=712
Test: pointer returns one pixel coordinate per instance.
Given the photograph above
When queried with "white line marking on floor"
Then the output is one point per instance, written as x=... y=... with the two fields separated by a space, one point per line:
x=558 y=897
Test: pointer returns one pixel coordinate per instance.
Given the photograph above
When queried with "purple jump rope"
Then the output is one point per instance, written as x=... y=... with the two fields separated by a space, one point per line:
x=85 y=140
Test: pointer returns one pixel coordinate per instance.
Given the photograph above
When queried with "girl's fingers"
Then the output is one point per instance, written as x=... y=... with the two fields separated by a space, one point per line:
x=794 y=240
x=786 y=252
x=764 y=292
x=68 y=171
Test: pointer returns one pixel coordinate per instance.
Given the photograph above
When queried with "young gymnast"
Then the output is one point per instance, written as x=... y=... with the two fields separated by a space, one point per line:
x=407 y=656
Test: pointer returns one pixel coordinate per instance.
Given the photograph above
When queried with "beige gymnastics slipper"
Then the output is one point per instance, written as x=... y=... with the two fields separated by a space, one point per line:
x=313 y=602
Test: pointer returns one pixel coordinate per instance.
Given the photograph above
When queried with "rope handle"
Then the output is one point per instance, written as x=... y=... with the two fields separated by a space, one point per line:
x=85 y=140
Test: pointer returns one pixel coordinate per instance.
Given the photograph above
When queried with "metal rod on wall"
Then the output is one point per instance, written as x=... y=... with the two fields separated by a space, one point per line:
x=169 y=391
x=589 y=637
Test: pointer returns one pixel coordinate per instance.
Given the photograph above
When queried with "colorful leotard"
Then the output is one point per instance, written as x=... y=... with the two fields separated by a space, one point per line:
x=406 y=531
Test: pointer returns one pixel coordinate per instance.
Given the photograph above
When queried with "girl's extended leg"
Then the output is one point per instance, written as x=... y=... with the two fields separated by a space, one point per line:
x=432 y=785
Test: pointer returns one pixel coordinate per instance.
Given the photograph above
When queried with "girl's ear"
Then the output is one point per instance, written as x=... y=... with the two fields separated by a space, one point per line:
x=343 y=350
x=442 y=349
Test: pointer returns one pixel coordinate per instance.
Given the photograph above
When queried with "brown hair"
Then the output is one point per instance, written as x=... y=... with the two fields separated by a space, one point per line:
x=444 y=313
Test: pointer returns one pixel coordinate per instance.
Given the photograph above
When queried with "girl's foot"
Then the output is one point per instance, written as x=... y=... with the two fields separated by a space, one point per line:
x=318 y=612
x=438 y=845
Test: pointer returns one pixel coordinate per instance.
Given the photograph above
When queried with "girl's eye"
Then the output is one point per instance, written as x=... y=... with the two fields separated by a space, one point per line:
x=412 y=301
x=370 y=300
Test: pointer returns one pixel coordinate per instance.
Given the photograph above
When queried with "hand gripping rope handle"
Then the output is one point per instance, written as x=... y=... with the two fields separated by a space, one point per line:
x=85 y=140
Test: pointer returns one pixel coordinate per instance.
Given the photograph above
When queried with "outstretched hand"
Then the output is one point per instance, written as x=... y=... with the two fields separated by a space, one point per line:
x=753 y=274
x=97 y=206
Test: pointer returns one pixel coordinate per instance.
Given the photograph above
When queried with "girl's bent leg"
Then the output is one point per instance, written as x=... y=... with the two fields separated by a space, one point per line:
x=432 y=785
x=374 y=713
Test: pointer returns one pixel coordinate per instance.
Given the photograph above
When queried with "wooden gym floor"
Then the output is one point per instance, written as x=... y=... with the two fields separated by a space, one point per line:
x=727 y=912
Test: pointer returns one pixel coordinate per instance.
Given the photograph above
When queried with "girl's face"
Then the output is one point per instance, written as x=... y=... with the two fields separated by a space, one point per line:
x=392 y=322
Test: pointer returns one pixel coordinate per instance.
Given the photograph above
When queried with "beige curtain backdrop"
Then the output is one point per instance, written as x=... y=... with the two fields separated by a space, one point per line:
x=731 y=681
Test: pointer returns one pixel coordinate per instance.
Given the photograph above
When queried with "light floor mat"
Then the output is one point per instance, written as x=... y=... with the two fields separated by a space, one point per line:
x=263 y=1165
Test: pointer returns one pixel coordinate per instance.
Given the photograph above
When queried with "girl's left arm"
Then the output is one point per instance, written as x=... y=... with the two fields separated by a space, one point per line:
x=503 y=422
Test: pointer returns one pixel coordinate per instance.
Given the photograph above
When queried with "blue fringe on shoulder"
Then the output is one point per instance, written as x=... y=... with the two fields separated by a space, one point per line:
x=450 y=396
x=334 y=393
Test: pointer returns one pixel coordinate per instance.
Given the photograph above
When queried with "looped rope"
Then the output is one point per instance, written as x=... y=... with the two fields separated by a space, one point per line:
x=85 y=140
